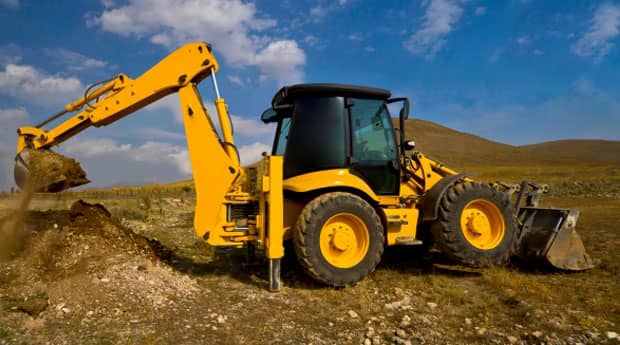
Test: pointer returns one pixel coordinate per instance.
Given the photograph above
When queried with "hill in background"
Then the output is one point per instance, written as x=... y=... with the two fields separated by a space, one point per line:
x=463 y=150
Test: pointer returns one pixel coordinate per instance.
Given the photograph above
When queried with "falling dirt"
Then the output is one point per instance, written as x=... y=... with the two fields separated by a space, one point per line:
x=35 y=171
x=47 y=171
x=12 y=227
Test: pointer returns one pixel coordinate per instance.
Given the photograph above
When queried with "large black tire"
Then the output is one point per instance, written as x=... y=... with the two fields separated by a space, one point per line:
x=329 y=265
x=460 y=232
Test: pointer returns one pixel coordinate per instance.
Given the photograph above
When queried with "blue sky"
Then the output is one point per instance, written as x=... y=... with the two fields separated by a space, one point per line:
x=513 y=71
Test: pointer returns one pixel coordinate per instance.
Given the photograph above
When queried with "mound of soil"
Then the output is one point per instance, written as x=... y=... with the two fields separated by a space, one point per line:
x=79 y=263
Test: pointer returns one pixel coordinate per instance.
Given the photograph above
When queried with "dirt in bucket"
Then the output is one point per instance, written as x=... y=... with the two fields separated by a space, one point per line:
x=49 y=172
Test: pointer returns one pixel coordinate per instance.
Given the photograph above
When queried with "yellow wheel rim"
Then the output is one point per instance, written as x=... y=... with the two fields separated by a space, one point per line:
x=344 y=240
x=482 y=224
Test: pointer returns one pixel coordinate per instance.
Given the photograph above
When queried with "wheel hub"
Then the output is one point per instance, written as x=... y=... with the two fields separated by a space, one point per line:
x=482 y=224
x=343 y=238
x=477 y=224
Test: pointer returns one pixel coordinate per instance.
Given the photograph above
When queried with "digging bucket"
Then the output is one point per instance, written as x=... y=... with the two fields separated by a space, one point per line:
x=44 y=170
x=548 y=234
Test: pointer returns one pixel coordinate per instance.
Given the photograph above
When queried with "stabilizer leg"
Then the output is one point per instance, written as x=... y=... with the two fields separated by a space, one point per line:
x=274 y=275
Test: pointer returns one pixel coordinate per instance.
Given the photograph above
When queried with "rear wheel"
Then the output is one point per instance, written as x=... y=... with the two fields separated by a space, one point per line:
x=476 y=225
x=338 y=239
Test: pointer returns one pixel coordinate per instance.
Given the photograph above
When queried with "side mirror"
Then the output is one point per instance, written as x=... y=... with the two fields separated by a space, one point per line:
x=273 y=114
x=408 y=145
x=404 y=111
x=269 y=115
x=403 y=115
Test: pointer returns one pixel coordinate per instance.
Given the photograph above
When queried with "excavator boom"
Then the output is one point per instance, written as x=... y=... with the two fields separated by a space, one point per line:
x=115 y=99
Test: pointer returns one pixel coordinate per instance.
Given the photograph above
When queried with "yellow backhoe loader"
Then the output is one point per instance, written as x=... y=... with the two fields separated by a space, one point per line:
x=340 y=182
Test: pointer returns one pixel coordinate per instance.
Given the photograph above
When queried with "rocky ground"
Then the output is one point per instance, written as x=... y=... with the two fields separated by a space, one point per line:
x=134 y=272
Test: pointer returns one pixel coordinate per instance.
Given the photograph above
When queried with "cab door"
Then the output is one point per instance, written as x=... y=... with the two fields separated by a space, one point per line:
x=374 y=155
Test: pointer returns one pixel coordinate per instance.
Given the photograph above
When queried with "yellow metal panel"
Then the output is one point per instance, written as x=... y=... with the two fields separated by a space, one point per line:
x=275 y=199
x=389 y=200
x=214 y=171
x=340 y=178
x=292 y=210
x=402 y=223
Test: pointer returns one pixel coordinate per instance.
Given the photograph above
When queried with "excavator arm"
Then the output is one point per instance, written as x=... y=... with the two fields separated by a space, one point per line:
x=121 y=96
x=213 y=158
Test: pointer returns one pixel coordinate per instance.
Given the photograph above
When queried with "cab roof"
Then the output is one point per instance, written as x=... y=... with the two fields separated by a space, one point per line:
x=288 y=94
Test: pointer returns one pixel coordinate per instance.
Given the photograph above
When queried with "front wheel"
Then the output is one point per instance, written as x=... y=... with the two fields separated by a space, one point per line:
x=338 y=239
x=476 y=225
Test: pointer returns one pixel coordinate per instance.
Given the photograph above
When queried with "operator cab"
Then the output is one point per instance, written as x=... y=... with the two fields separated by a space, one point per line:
x=334 y=126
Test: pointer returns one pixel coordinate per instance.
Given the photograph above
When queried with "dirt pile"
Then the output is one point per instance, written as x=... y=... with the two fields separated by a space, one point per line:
x=47 y=171
x=80 y=264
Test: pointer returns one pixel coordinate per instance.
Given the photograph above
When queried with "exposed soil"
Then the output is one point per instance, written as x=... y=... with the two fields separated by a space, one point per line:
x=80 y=263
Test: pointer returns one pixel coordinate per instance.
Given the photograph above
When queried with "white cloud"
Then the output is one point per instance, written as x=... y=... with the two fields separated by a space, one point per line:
x=497 y=53
x=94 y=147
x=243 y=127
x=315 y=42
x=27 y=83
x=13 y=115
x=523 y=40
x=604 y=27
x=355 y=37
x=252 y=128
x=74 y=60
x=252 y=153
x=283 y=60
x=108 y=163
x=311 y=40
x=108 y=3
x=235 y=80
x=538 y=52
x=318 y=12
x=10 y=53
x=169 y=104
x=159 y=134
x=439 y=20
x=234 y=27
x=11 y=119
x=151 y=153
x=480 y=10
x=12 y=4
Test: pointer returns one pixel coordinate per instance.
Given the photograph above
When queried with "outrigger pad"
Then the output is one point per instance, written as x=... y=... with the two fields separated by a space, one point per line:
x=46 y=171
x=549 y=234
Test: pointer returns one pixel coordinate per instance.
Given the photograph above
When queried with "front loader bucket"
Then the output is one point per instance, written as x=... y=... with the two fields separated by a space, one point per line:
x=44 y=170
x=548 y=234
